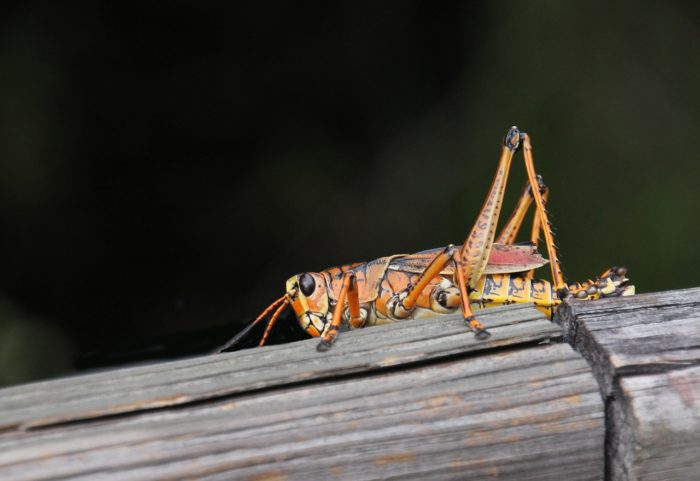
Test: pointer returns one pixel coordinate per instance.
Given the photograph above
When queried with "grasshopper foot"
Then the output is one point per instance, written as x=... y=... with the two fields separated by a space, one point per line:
x=324 y=345
x=513 y=138
x=480 y=331
x=482 y=335
x=563 y=293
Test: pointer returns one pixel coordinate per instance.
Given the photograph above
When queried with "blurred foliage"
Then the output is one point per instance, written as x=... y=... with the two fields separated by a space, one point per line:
x=30 y=348
x=165 y=167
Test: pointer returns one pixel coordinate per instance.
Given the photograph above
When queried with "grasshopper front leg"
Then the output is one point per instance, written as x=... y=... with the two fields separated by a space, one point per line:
x=349 y=291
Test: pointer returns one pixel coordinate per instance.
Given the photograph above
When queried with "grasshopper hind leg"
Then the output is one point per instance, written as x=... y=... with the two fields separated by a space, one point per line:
x=471 y=261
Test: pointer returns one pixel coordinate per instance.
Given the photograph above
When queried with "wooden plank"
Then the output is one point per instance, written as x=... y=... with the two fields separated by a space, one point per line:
x=642 y=334
x=645 y=352
x=656 y=434
x=524 y=413
x=646 y=301
x=181 y=382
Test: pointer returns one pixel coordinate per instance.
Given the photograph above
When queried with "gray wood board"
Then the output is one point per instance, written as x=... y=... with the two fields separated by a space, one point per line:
x=645 y=352
x=656 y=431
x=642 y=334
x=524 y=413
x=174 y=383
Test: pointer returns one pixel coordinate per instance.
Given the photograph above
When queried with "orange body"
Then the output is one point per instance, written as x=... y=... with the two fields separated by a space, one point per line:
x=380 y=280
x=486 y=270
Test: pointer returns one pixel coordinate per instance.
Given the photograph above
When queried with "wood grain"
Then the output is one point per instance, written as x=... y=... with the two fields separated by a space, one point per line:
x=523 y=413
x=413 y=400
x=645 y=352
x=196 y=379
x=656 y=426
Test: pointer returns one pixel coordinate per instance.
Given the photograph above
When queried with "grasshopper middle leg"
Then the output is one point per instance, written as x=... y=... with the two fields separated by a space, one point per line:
x=402 y=304
x=510 y=231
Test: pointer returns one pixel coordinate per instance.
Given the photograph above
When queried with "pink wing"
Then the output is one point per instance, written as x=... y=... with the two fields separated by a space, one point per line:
x=504 y=259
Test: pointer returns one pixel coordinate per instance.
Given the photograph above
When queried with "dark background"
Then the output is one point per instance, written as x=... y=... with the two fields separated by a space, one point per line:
x=165 y=166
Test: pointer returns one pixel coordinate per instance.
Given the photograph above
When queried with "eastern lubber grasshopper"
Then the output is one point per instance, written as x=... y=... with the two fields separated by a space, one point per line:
x=486 y=270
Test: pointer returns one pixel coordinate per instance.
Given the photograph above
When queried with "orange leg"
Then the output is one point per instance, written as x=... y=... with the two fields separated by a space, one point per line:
x=535 y=232
x=476 y=249
x=557 y=276
x=610 y=283
x=469 y=319
x=510 y=231
x=349 y=291
x=354 y=315
x=402 y=304
x=536 y=223
x=473 y=257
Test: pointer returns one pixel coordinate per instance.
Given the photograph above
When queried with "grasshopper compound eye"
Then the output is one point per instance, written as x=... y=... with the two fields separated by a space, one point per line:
x=307 y=284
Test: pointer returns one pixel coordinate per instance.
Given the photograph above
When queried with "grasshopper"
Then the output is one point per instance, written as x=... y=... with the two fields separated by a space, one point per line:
x=486 y=270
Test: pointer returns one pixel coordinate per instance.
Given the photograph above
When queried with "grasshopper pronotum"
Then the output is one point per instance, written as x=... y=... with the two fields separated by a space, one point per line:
x=484 y=271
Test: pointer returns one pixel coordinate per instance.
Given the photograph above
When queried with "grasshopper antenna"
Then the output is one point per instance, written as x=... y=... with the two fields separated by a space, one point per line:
x=279 y=304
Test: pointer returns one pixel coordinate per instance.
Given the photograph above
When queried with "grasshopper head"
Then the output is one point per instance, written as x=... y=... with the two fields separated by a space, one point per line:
x=308 y=296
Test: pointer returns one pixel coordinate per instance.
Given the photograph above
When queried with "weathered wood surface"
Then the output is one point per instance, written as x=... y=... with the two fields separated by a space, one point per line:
x=413 y=400
x=196 y=379
x=645 y=353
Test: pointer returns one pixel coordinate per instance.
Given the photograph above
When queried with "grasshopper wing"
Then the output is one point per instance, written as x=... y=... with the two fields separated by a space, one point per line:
x=504 y=259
